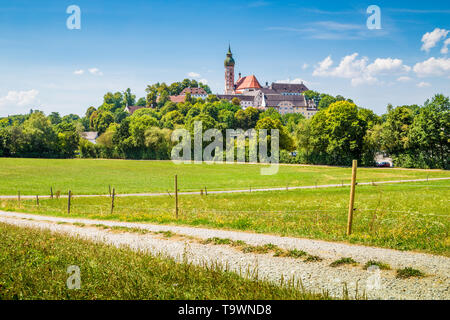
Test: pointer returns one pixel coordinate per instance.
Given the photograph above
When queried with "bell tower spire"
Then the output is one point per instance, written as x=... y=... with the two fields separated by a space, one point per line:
x=229 y=72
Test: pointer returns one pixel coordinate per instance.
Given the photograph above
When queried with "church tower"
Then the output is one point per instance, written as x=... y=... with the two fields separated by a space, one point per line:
x=229 y=73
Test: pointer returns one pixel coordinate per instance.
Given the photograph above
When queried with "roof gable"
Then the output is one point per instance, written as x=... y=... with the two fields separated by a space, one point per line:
x=249 y=82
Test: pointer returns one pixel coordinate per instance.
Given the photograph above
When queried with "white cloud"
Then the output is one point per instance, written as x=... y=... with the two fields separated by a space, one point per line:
x=404 y=79
x=95 y=71
x=430 y=39
x=305 y=66
x=293 y=81
x=380 y=66
x=204 y=81
x=433 y=67
x=78 y=72
x=424 y=84
x=444 y=49
x=323 y=68
x=16 y=99
x=194 y=75
x=359 y=70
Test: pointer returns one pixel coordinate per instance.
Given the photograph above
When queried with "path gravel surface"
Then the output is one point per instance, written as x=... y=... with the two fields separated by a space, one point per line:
x=315 y=276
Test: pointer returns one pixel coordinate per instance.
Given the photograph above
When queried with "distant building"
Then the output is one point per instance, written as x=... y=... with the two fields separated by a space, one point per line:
x=132 y=109
x=90 y=136
x=194 y=92
x=284 y=97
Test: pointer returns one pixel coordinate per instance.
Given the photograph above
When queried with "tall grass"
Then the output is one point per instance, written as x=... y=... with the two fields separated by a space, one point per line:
x=33 y=265
x=412 y=216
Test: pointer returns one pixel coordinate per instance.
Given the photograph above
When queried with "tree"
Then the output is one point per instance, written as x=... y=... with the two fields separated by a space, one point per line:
x=89 y=112
x=395 y=133
x=171 y=119
x=129 y=99
x=141 y=102
x=208 y=122
x=235 y=101
x=337 y=134
x=87 y=149
x=158 y=141
x=114 y=100
x=429 y=134
x=311 y=95
x=138 y=126
x=227 y=118
x=54 y=118
x=325 y=101
x=188 y=98
x=246 y=119
x=271 y=113
x=303 y=137
x=41 y=139
x=211 y=98
x=102 y=121
x=68 y=142
x=286 y=141
x=163 y=98
x=151 y=97
x=291 y=120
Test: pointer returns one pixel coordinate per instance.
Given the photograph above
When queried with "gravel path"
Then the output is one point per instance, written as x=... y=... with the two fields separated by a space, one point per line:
x=158 y=194
x=315 y=276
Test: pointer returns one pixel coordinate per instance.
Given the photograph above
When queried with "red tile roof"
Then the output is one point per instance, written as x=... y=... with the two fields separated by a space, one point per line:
x=132 y=109
x=193 y=91
x=249 y=82
x=178 y=99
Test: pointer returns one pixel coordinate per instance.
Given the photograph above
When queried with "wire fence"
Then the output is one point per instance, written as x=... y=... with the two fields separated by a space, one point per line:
x=209 y=208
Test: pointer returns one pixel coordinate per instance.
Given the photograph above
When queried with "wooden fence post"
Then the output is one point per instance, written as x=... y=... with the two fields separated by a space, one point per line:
x=352 y=198
x=37 y=200
x=206 y=191
x=68 y=201
x=18 y=197
x=51 y=192
x=176 y=196
x=112 y=199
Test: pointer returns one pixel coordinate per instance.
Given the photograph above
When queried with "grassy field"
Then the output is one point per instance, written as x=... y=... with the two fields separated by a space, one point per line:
x=83 y=176
x=412 y=216
x=33 y=265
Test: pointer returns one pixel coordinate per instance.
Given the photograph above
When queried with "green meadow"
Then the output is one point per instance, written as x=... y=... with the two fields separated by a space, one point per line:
x=405 y=216
x=87 y=176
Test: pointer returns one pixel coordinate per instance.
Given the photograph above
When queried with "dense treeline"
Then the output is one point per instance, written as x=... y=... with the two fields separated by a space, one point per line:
x=415 y=136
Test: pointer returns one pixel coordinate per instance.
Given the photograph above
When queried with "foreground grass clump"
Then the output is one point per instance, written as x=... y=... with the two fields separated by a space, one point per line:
x=379 y=264
x=343 y=261
x=33 y=265
x=409 y=272
x=268 y=248
x=387 y=216
x=92 y=176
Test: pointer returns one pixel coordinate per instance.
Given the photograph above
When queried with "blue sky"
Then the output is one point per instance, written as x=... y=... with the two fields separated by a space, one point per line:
x=133 y=43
